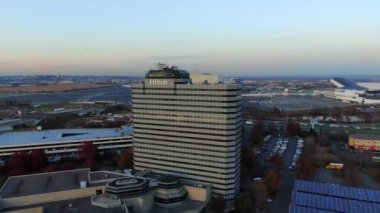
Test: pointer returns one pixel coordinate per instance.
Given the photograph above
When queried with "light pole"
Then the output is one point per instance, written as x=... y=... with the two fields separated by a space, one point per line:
x=20 y=116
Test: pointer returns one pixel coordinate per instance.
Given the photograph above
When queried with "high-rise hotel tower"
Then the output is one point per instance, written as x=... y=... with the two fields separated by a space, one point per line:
x=188 y=125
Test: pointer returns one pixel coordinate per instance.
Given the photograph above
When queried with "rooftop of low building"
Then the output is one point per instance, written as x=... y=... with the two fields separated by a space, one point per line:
x=366 y=136
x=22 y=138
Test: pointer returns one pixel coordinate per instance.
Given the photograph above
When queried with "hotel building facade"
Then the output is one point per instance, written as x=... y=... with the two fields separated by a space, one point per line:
x=188 y=125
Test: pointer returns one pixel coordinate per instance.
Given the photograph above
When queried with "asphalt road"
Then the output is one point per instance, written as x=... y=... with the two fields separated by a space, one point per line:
x=283 y=198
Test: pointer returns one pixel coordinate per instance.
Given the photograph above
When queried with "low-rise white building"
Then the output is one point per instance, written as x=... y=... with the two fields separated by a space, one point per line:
x=64 y=141
x=351 y=92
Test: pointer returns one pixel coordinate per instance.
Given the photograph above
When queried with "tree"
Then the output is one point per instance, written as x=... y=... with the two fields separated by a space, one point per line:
x=272 y=129
x=125 y=160
x=276 y=160
x=88 y=153
x=244 y=204
x=323 y=140
x=260 y=194
x=276 y=111
x=50 y=168
x=87 y=150
x=39 y=160
x=67 y=166
x=248 y=158
x=337 y=114
x=20 y=161
x=272 y=181
x=258 y=132
x=352 y=177
x=248 y=206
x=218 y=204
x=90 y=163
x=15 y=172
x=307 y=169
x=293 y=128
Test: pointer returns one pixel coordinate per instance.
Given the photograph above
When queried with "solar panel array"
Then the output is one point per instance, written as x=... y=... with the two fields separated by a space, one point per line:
x=333 y=203
x=302 y=209
x=336 y=190
x=323 y=198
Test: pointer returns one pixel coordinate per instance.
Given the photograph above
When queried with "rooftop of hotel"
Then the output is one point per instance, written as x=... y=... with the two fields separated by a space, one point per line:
x=59 y=135
x=166 y=71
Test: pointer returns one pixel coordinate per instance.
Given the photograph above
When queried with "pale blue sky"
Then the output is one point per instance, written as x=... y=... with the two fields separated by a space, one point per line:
x=255 y=37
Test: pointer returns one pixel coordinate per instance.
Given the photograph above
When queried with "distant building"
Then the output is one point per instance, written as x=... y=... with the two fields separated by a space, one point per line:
x=64 y=141
x=7 y=125
x=311 y=197
x=81 y=190
x=351 y=92
x=364 y=142
x=188 y=126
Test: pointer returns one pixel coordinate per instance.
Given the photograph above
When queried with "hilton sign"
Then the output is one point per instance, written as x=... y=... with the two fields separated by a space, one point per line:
x=158 y=82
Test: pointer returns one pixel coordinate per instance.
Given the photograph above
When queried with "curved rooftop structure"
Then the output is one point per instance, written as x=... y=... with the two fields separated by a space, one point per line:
x=346 y=84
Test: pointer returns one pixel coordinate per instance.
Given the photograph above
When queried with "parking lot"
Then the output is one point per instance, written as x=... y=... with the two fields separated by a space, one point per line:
x=289 y=148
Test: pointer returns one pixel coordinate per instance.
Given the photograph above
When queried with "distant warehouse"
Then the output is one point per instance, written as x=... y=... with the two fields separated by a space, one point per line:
x=65 y=141
x=365 y=142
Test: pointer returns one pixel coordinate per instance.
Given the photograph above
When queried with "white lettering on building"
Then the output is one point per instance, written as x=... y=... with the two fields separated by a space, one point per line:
x=158 y=82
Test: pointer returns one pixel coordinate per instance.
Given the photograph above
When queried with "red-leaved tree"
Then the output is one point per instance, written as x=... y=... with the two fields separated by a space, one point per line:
x=258 y=132
x=19 y=161
x=39 y=160
x=293 y=128
x=125 y=160
x=352 y=177
x=307 y=169
x=272 y=181
x=50 y=168
x=67 y=166
x=276 y=160
x=87 y=150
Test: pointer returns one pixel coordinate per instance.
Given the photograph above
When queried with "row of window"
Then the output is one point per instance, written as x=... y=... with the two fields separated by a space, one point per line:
x=200 y=99
x=191 y=144
x=196 y=123
x=217 y=183
x=150 y=134
x=187 y=131
x=187 y=103
x=139 y=124
x=148 y=114
x=205 y=160
x=195 y=153
x=200 y=175
x=216 y=110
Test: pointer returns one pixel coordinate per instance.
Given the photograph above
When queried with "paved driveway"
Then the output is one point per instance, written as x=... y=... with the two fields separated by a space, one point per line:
x=283 y=198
